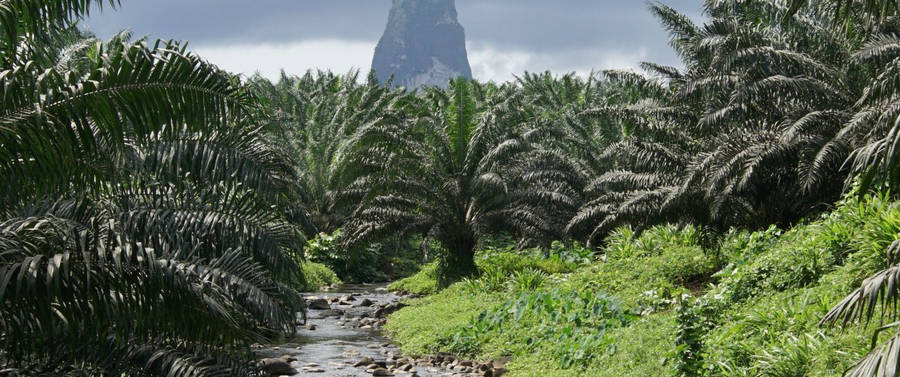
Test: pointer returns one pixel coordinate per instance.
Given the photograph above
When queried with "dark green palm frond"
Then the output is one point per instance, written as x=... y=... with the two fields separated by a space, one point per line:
x=881 y=362
x=212 y=157
x=147 y=229
x=681 y=29
x=876 y=291
x=58 y=132
x=881 y=48
x=23 y=17
x=667 y=72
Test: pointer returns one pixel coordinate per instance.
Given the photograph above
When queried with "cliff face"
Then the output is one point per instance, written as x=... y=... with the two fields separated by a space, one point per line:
x=423 y=45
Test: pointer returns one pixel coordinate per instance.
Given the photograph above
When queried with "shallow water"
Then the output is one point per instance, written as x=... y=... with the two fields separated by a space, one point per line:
x=332 y=349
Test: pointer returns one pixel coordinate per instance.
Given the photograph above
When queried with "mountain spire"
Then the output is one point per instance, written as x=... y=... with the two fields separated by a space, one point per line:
x=423 y=45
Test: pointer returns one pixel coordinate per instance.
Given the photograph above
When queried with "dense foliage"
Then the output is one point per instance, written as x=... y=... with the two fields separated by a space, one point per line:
x=759 y=318
x=157 y=214
x=146 y=221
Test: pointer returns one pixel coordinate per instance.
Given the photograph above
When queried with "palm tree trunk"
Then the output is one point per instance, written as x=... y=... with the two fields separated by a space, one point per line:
x=459 y=259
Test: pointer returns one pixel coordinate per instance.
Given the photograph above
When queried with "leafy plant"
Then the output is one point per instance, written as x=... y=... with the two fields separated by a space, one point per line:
x=146 y=223
x=527 y=280
x=570 y=327
x=317 y=275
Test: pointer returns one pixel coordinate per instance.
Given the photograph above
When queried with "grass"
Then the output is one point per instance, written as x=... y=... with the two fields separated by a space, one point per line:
x=659 y=304
x=639 y=350
x=423 y=282
x=774 y=298
x=437 y=317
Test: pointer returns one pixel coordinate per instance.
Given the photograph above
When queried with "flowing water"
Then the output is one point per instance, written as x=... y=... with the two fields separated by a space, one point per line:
x=337 y=343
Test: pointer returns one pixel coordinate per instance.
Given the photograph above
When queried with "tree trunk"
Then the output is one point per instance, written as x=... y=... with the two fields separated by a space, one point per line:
x=458 y=261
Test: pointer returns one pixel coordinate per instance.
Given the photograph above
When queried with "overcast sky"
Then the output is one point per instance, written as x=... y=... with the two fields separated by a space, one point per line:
x=504 y=37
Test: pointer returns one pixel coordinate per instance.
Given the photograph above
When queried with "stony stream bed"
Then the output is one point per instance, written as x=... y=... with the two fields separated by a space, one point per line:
x=342 y=338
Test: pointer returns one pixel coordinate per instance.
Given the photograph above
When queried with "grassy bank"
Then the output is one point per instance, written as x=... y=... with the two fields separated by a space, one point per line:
x=660 y=304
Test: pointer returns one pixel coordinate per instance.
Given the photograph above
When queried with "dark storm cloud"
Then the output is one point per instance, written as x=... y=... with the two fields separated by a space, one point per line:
x=543 y=27
x=222 y=22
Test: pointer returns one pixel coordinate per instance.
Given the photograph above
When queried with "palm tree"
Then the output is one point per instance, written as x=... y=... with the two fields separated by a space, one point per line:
x=316 y=115
x=747 y=135
x=631 y=155
x=786 y=95
x=447 y=169
x=144 y=222
x=872 y=133
x=874 y=130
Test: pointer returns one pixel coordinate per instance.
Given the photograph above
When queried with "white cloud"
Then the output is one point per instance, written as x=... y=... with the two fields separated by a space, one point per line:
x=490 y=62
x=295 y=58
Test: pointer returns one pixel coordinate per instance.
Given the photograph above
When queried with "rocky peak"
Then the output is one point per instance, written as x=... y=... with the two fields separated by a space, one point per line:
x=423 y=45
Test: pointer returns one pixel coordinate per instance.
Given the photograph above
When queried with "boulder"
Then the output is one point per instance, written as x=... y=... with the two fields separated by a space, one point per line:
x=364 y=303
x=381 y=372
x=389 y=309
x=317 y=303
x=363 y=362
x=332 y=313
x=276 y=367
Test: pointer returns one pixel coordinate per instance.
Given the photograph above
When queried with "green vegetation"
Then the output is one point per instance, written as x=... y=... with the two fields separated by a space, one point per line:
x=145 y=223
x=451 y=171
x=659 y=304
x=422 y=283
x=159 y=215
x=317 y=276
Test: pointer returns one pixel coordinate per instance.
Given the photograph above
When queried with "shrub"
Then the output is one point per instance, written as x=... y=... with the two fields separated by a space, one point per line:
x=508 y=260
x=356 y=267
x=527 y=280
x=777 y=289
x=625 y=243
x=801 y=256
x=317 y=276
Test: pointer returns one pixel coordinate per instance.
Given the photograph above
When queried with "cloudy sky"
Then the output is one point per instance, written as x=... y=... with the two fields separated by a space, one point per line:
x=504 y=37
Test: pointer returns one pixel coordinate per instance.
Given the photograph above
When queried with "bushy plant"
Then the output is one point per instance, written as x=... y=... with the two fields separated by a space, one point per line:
x=508 y=260
x=527 y=280
x=317 y=276
x=574 y=254
x=494 y=278
x=624 y=242
x=768 y=261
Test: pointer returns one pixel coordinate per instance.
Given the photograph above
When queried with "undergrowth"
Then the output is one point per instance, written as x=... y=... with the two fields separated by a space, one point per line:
x=659 y=304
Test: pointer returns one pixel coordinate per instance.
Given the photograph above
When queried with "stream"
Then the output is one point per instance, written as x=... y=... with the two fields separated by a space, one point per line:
x=342 y=338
